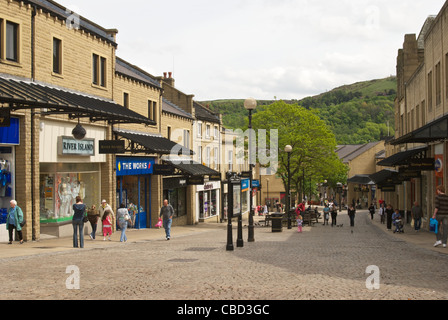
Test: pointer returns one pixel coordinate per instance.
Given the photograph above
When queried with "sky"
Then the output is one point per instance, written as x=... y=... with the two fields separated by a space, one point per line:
x=265 y=49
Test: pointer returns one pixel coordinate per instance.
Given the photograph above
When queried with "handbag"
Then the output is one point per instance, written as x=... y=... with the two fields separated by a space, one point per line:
x=434 y=226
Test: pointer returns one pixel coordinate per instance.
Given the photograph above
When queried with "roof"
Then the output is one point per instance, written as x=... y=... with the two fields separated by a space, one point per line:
x=169 y=107
x=349 y=152
x=23 y=94
x=63 y=13
x=152 y=144
x=205 y=114
x=128 y=70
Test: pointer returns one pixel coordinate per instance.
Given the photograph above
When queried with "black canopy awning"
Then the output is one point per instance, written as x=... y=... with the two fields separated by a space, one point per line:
x=20 y=94
x=361 y=179
x=386 y=177
x=191 y=168
x=434 y=131
x=152 y=144
x=402 y=158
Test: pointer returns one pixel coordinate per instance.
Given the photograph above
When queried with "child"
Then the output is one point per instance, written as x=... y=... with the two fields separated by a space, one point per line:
x=326 y=214
x=299 y=223
x=107 y=225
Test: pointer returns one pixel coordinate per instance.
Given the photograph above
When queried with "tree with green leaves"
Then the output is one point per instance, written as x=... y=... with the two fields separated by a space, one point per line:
x=313 y=158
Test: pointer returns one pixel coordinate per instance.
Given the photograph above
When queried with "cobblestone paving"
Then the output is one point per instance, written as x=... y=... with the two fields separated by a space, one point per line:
x=321 y=263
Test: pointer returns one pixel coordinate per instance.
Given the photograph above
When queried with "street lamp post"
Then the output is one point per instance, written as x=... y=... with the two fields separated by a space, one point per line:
x=288 y=150
x=250 y=105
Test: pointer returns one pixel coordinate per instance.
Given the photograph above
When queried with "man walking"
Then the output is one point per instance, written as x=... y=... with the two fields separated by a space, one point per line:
x=167 y=213
x=441 y=214
x=417 y=215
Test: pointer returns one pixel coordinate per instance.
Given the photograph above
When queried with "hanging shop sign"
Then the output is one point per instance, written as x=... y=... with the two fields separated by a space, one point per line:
x=69 y=146
x=134 y=166
x=111 y=147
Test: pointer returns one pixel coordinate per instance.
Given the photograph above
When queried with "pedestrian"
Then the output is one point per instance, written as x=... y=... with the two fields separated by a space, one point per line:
x=326 y=214
x=80 y=210
x=123 y=218
x=167 y=213
x=372 y=210
x=417 y=215
x=106 y=207
x=441 y=215
x=299 y=224
x=382 y=213
x=107 y=225
x=389 y=213
x=265 y=210
x=14 y=221
x=351 y=214
x=334 y=215
x=93 y=216
x=396 y=220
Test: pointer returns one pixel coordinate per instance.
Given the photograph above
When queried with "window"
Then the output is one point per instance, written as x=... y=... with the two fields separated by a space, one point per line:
x=12 y=41
x=438 y=84
x=187 y=139
x=230 y=160
x=57 y=56
x=216 y=132
x=126 y=100
x=99 y=65
x=430 y=92
x=152 y=110
x=168 y=133
x=207 y=156
x=200 y=154
x=199 y=130
x=215 y=158
x=207 y=131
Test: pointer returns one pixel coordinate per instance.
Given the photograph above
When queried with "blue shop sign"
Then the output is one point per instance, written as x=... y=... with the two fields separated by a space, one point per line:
x=10 y=135
x=245 y=185
x=134 y=166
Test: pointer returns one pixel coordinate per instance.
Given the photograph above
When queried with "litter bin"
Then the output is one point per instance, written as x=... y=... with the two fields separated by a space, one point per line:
x=277 y=225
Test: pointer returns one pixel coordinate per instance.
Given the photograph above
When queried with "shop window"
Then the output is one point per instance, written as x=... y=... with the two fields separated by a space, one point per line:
x=61 y=184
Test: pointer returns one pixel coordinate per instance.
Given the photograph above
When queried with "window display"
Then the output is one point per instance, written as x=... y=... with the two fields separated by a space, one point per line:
x=61 y=184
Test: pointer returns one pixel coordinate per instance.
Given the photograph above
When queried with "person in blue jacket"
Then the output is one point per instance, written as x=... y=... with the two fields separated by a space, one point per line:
x=14 y=220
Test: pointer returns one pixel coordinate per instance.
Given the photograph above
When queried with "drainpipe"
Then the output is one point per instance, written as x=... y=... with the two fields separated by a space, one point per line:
x=33 y=75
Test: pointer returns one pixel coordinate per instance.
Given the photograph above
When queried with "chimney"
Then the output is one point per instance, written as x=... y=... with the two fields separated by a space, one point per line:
x=168 y=80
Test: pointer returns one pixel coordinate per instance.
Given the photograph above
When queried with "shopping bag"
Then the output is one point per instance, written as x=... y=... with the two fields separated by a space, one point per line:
x=434 y=226
x=159 y=224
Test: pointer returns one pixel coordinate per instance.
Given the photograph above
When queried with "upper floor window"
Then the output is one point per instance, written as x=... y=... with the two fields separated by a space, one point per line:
x=12 y=42
x=99 y=70
x=207 y=131
x=199 y=130
x=57 y=56
x=126 y=100
x=152 y=110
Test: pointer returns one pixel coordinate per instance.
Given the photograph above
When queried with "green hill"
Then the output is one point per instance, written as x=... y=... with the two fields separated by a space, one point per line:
x=357 y=113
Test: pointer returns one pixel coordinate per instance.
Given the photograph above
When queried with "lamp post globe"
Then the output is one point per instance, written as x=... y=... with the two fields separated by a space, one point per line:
x=250 y=104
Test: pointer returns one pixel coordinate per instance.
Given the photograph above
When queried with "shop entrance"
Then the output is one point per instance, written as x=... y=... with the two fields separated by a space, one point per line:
x=134 y=188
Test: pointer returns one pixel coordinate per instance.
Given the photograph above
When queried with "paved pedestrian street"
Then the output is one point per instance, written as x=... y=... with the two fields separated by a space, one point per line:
x=324 y=262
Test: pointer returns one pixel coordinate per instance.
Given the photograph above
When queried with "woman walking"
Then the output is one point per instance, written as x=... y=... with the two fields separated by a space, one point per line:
x=351 y=214
x=15 y=221
x=123 y=217
x=78 y=222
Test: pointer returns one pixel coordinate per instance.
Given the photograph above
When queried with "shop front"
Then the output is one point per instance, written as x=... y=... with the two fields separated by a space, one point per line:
x=68 y=168
x=175 y=190
x=9 y=139
x=208 y=200
x=134 y=175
